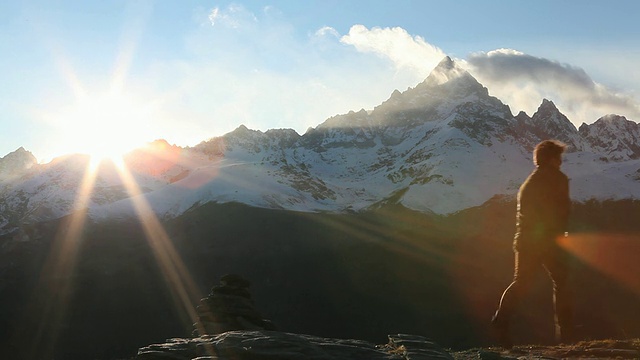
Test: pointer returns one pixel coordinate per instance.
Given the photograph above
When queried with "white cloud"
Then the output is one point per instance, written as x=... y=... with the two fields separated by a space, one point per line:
x=233 y=16
x=396 y=44
x=214 y=15
x=522 y=81
x=327 y=31
x=264 y=75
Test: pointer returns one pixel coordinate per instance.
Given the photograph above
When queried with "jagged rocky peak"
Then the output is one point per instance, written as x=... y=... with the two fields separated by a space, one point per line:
x=282 y=133
x=16 y=162
x=395 y=94
x=613 y=120
x=607 y=123
x=614 y=136
x=242 y=134
x=550 y=117
x=523 y=117
x=241 y=130
x=446 y=71
x=549 y=123
x=447 y=63
x=20 y=155
x=447 y=82
x=547 y=107
x=450 y=81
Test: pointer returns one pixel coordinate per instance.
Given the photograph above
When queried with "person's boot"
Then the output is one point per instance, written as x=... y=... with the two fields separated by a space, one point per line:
x=566 y=335
x=501 y=329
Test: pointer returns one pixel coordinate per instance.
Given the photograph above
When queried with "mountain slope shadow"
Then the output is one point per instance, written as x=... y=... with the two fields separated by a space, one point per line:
x=361 y=276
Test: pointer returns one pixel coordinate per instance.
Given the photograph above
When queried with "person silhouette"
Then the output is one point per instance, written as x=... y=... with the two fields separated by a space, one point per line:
x=543 y=206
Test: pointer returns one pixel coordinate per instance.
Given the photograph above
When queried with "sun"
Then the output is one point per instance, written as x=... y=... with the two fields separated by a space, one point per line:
x=104 y=126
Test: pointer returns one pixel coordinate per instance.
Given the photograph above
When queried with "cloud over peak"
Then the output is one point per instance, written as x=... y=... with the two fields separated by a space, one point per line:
x=396 y=44
x=518 y=79
x=522 y=80
x=508 y=64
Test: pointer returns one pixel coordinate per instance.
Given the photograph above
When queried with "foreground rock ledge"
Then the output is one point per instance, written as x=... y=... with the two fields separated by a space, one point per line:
x=272 y=345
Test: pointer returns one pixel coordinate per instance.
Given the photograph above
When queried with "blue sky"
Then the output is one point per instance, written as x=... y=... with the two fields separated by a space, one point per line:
x=75 y=74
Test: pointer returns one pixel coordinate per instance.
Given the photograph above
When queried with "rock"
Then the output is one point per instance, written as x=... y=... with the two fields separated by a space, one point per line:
x=273 y=345
x=229 y=307
x=418 y=347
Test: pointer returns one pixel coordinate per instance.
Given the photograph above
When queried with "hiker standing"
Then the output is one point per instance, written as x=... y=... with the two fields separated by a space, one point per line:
x=542 y=216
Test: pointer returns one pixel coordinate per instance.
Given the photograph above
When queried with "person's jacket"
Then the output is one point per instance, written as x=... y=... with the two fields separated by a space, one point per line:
x=543 y=209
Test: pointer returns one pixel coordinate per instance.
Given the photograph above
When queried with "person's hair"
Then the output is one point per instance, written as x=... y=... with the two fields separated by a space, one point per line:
x=548 y=150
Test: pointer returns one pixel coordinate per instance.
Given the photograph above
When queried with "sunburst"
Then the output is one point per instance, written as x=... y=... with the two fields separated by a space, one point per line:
x=104 y=125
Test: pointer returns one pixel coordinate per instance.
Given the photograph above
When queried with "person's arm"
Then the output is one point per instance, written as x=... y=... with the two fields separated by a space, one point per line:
x=564 y=204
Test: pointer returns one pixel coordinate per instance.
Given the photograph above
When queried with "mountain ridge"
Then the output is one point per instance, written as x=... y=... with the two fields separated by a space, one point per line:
x=439 y=147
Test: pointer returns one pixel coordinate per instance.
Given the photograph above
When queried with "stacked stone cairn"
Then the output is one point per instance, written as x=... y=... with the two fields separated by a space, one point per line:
x=229 y=307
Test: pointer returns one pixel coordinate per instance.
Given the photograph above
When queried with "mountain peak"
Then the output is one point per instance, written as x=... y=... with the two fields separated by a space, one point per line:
x=446 y=70
x=614 y=136
x=547 y=104
x=612 y=118
x=523 y=116
x=446 y=63
x=617 y=125
x=549 y=123
x=548 y=111
x=16 y=162
x=450 y=81
x=20 y=155
x=241 y=132
x=21 y=151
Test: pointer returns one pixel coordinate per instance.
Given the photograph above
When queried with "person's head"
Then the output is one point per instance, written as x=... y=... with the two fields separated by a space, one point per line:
x=549 y=152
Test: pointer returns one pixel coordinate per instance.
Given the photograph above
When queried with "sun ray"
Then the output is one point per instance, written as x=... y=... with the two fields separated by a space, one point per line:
x=105 y=126
x=183 y=289
x=385 y=233
x=56 y=279
x=68 y=73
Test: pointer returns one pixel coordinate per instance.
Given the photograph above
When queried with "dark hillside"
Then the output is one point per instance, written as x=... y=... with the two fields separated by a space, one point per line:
x=360 y=276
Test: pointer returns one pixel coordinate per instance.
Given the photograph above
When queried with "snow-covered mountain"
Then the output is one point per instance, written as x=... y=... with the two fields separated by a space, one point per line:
x=443 y=146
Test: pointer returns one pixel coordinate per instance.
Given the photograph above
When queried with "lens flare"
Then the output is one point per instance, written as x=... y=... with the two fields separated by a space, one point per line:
x=615 y=255
x=56 y=280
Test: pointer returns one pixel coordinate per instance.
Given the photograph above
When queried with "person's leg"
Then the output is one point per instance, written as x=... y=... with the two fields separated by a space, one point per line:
x=557 y=264
x=524 y=271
